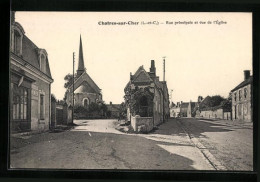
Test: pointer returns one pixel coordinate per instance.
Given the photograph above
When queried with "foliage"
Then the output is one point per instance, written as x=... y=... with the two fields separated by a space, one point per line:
x=53 y=98
x=135 y=104
x=68 y=80
x=94 y=110
x=80 y=109
x=210 y=102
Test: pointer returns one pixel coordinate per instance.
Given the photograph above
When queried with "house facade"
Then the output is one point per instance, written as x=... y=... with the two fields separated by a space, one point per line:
x=175 y=110
x=242 y=99
x=184 y=109
x=147 y=97
x=191 y=108
x=86 y=90
x=30 y=83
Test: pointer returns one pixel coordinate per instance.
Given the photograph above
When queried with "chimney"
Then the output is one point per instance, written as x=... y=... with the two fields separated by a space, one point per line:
x=152 y=69
x=246 y=74
x=110 y=103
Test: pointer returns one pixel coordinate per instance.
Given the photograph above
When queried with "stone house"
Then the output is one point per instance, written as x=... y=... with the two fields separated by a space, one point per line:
x=184 y=109
x=242 y=99
x=219 y=112
x=86 y=90
x=146 y=96
x=30 y=83
x=191 y=108
x=175 y=110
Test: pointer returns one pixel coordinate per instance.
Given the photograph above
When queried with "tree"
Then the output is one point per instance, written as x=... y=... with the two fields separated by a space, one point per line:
x=216 y=100
x=68 y=80
x=210 y=102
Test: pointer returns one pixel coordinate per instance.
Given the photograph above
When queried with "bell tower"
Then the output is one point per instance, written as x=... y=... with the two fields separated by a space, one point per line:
x=81 y=67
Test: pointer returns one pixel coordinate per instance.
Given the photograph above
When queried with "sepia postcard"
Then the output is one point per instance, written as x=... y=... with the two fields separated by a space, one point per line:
x=131 y=90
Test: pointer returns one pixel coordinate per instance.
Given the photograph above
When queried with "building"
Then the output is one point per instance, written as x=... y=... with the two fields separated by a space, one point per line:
x=184 y=109
x=86 y=90
x=175 y=110
x=190 y=110
x=147 y=97
x=30 y=83
x=205 y=108
x=242 y=99
x=114 y=110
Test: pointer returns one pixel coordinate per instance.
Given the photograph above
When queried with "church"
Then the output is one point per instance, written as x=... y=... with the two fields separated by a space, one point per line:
x=86 y=90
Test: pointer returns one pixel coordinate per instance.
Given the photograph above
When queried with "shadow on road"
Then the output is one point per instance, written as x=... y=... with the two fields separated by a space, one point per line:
x=95 y=151
x=174 y=127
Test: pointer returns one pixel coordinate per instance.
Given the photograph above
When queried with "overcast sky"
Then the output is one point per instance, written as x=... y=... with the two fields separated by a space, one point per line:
x=201 y=59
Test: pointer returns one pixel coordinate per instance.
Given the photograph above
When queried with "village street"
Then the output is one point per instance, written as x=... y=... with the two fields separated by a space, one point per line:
x=96 y=144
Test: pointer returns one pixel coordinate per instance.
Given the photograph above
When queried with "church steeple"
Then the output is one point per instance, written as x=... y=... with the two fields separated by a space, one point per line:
x=81 y=67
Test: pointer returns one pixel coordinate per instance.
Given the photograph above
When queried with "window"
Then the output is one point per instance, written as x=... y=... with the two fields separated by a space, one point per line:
x=42 y=107
x=235 y=96
x=240 y=94
x=43 y=63
x=245 y=92
x=17 y=42
x=85 y=102
x=20 y=102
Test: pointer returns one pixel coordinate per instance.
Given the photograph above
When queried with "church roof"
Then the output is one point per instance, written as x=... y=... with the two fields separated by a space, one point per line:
x=88 y=85
x=84 y=88
x=140 y=76
x=81 y=67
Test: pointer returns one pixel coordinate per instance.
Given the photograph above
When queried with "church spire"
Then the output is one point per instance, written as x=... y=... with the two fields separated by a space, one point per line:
x=81 y=67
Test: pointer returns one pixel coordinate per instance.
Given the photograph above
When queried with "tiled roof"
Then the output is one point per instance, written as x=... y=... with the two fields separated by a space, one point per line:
x=243 y=83
x=29 y=54
x=184 y=105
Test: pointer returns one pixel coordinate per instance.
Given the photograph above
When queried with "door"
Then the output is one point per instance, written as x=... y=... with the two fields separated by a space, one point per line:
x=20 y=99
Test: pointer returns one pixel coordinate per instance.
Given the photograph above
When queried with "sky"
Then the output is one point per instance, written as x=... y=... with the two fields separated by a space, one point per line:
x=201 y=59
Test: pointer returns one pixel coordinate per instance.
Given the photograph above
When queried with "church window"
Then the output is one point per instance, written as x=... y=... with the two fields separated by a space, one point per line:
x=85 y=102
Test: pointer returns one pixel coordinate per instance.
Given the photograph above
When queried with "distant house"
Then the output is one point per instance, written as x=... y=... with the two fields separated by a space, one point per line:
x=242 y=99
x=114 y=110
x=218 y=112
x=146 y=96
x=175 y=110
x=184 y=109
x=205 y=109
x=191 y=108
x=30 y=83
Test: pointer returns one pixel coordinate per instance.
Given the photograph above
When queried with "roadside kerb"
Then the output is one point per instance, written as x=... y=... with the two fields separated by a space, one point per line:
x=211 y=159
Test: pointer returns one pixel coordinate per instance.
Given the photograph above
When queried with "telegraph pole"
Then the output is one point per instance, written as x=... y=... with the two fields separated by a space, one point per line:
x=73 y=89
x=163 y=87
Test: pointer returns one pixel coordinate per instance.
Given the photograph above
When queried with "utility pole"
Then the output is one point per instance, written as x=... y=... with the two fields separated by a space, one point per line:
x=163 y=87
x=171 y=95
x=73 y=88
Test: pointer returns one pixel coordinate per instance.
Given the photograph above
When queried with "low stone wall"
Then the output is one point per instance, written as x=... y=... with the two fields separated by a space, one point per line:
x=216 y=114
x=142 y=124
